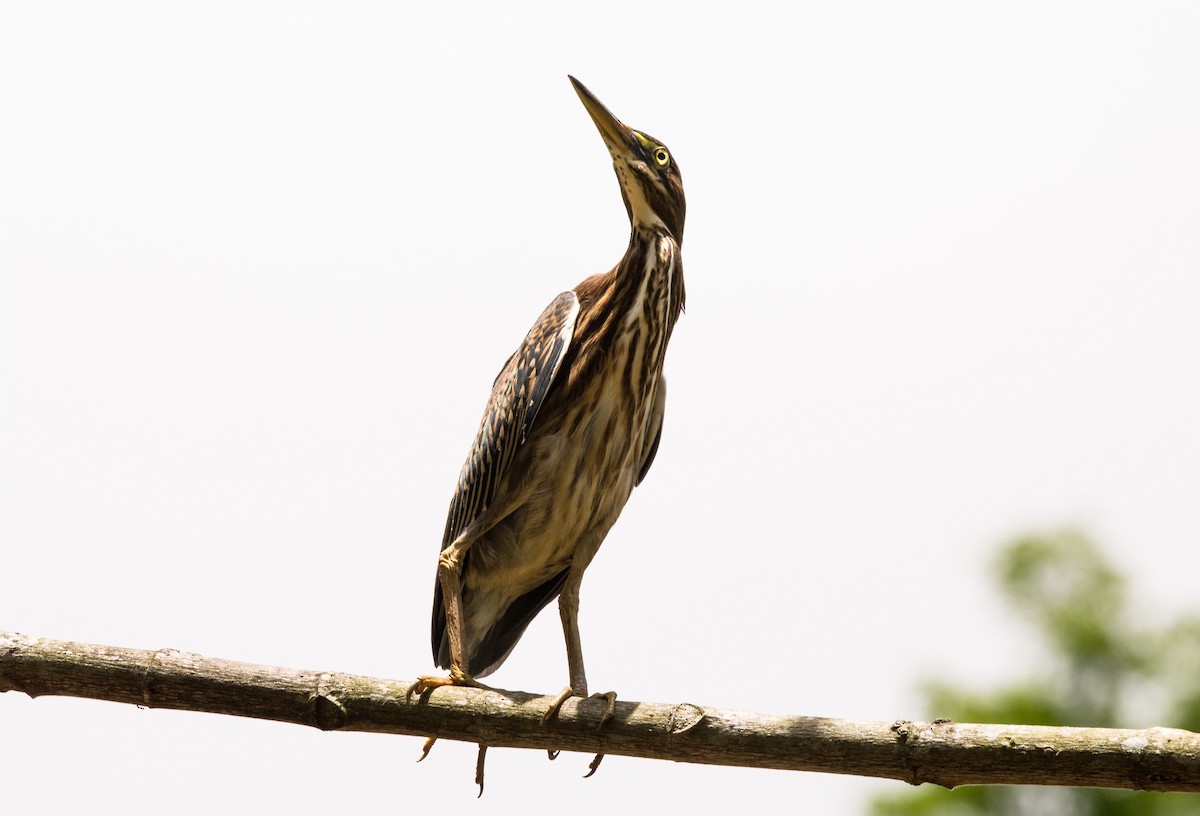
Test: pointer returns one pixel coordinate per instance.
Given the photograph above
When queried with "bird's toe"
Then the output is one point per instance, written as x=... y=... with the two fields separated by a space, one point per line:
x=427 y=683
x=557 y=703
x=609 y=710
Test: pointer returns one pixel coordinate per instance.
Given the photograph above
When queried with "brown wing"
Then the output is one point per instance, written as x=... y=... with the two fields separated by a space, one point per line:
x=517 y=395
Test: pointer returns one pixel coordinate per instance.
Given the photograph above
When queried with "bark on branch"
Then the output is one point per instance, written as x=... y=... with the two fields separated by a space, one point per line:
x=942 y=752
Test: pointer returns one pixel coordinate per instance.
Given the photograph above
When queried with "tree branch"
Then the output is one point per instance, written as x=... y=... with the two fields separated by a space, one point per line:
x=942 y=752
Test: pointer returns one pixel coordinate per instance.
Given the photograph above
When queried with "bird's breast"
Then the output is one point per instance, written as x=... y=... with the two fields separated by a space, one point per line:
x=594 y=457
x=581 y=462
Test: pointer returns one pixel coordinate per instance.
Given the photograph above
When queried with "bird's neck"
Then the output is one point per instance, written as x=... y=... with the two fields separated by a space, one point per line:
x=650 y=252
x=636 y=302
x=652 y=268
x=642 y=234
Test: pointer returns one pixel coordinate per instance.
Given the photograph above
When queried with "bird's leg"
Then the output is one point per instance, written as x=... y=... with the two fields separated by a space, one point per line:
x=449 y=574
x=568 y=610
x=568 y=607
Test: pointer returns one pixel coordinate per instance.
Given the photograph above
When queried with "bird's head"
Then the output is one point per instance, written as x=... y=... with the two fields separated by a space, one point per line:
x=650 y=182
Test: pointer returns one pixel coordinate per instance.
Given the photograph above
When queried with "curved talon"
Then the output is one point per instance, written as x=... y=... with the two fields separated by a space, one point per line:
x=427 y=748
x=593 y=765
x=552 y=755
x=479 y=768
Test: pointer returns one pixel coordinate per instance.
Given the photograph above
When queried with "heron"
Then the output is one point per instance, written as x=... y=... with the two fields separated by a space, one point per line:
x=572 y=425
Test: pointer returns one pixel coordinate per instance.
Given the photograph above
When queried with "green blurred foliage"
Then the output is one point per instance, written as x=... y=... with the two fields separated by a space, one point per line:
x=1097 y=668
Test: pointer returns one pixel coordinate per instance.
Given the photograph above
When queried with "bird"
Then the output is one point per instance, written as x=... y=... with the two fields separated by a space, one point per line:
x=572 y=425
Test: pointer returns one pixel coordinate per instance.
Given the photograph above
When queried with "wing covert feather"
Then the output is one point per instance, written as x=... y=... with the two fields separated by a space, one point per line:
x=517 y=396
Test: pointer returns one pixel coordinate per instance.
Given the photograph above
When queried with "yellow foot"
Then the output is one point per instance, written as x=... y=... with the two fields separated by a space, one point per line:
x=424 y=684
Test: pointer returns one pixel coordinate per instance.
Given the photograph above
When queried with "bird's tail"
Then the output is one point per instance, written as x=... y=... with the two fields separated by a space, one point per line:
x=486 y=653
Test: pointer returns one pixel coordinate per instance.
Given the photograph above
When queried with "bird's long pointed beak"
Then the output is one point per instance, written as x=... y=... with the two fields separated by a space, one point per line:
x=617 y=136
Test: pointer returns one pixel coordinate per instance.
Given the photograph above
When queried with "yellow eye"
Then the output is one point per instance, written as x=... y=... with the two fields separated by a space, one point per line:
x=662 y=157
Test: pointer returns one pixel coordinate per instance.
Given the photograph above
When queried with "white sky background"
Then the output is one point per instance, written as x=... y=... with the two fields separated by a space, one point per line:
x=258 y=267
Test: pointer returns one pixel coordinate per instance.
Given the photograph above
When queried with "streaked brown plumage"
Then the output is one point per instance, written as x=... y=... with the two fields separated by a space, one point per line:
x=572 y=425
